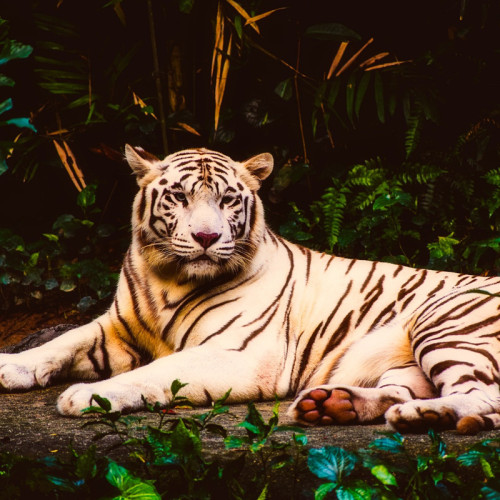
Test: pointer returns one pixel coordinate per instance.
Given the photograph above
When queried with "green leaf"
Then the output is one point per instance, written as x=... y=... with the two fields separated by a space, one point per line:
x=238 y=26
x=102 y=402
x=5 y=81
x=3 y=165
x=331 y=463
x=263 y=493
x=185 y=6
x=323 y=490
x=14 y=50
x=284 y=89
x=232 y=442
x=392 y=443
x=67 y=285
x=21 y=123
x=361 y=491
x=5 y=105
x=176 y=386
x=349 y=96
x=51 y=237
x=51 y=283
x=33 y=260
x=250 y=427
x=185 y=442
x=382 y=473
x=131 y=487
x=87 y=196
x=332 y=31
x=333 y=93
x=360 y=94
x=387 y=200
x=485 y=465
x=379 y=97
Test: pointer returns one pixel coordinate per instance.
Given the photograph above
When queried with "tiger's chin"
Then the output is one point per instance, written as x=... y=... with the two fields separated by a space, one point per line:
x=206 y=269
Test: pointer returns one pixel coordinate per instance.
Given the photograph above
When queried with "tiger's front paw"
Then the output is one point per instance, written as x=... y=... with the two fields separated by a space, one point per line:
x=124 y=397
x=419 y=416
x=25 y=370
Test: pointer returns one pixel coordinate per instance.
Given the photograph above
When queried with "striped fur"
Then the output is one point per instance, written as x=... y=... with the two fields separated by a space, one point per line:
x=208 y=294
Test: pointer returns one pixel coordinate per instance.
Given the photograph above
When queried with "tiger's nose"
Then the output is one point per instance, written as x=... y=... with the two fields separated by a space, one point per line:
x=206 y=239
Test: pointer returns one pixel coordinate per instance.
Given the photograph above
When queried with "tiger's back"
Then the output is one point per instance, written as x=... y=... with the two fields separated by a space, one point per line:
x=209 y=295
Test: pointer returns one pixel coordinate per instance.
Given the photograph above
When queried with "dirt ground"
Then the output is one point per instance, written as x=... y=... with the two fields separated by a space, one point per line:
x=19 y=322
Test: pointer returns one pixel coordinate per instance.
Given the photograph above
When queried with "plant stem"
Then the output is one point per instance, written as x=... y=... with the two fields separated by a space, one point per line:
x=157 y=77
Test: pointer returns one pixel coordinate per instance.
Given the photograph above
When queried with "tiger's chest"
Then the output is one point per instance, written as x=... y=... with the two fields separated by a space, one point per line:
x=293 y=299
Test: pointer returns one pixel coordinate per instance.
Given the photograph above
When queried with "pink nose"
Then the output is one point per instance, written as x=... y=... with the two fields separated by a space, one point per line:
x=205 y=239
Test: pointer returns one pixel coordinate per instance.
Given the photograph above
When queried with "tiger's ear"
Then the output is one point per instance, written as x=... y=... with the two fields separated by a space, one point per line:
x=142 y=163
x=260 y=166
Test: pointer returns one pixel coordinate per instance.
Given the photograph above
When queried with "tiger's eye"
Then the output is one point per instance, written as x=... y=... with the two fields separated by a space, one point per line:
x=226 y=200
x=180 y=197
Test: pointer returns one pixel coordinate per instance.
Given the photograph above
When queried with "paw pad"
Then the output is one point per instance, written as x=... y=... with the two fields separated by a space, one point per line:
x=324 y=407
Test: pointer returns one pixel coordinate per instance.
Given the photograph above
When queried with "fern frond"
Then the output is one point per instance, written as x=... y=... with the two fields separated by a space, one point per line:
x=363 y=200
x=412 y=136
x=367 y=174
x=493 y=177
x=417 y=173
x=333 y=203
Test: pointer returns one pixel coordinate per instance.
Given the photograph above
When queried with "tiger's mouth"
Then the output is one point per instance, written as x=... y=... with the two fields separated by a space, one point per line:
x=202 y=258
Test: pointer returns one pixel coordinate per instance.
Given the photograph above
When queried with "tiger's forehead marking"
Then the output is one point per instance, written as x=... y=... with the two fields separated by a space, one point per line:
x=196 y=168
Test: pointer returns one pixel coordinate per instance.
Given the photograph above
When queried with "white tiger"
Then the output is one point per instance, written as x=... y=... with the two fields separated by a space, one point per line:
x=210 y=296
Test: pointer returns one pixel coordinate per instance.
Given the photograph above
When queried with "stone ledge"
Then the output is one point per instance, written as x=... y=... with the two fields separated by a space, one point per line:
x=30 y=425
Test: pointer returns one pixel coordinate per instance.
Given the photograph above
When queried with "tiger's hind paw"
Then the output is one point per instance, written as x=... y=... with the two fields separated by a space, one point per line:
x=415 y=418
x=323 y=406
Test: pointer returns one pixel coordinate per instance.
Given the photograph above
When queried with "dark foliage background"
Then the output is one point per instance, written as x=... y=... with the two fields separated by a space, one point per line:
x=383 y=118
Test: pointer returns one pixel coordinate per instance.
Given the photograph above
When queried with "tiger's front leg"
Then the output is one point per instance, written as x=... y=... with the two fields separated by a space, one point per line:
x=91 y=351
x=209 y=373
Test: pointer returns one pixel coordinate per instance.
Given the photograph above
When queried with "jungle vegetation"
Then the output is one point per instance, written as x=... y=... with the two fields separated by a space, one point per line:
x=383 y=119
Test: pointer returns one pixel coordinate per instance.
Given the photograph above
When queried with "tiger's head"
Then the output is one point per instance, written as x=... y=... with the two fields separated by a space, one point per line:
x=197 y=210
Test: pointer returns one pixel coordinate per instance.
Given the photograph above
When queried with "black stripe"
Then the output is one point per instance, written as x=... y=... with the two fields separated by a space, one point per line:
x=306 y=354
x=441 y=367
x=405 y=292
x=369 y=277
x=193 y=324
x=336 y=308
x=256 y=332
x=339 y=334
x=221 y=329
x=142 y=205
x=384 y=312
